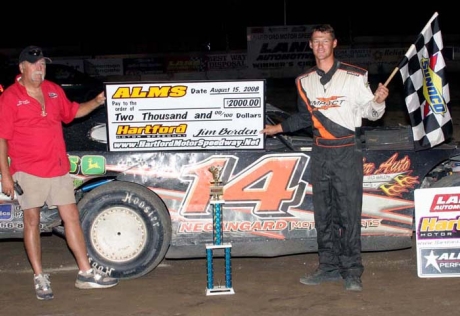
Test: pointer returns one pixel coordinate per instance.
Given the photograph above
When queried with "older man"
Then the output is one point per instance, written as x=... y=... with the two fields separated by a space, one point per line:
x=33 y=153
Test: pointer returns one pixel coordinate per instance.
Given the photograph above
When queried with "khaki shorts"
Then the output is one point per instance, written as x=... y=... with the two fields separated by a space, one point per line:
x=38 y=191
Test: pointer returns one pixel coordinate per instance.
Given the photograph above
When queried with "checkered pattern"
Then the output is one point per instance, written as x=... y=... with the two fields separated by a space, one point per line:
x=426 y=89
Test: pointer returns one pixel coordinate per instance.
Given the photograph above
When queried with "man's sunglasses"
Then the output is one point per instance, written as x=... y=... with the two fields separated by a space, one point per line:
x=35 y=52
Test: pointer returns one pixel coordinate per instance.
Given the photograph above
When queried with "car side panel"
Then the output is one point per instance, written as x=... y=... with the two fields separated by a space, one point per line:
x=267 y=196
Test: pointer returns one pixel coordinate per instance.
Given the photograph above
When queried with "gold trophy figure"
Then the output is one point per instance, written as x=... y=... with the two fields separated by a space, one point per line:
x=217 y=189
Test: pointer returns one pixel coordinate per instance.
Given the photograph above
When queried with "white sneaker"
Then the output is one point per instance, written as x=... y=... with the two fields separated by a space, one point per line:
x=93 y=279
x=43 y=287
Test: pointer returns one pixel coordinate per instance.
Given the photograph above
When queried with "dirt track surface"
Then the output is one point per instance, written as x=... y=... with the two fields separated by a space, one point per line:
x=263 y=286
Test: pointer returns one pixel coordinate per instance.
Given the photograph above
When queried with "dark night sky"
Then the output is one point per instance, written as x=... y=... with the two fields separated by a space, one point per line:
x=176 y=26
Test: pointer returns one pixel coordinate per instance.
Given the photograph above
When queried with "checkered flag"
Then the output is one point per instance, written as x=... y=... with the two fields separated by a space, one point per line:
x=426 y=90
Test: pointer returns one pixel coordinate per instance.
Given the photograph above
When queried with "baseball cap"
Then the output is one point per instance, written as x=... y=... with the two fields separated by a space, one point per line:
x=32 y=54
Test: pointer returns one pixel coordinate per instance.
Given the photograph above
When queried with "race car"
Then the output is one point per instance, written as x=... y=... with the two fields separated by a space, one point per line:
x=140 y=207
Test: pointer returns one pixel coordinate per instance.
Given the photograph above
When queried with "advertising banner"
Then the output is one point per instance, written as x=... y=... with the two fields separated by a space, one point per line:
x=228 y=61
x=280 y=47
x=284 y=51
x=143 y=66
x=77 y=64
x=102 y=67
x=374 y=60
x=185 y=63
x=200 y=115
x=437 y=223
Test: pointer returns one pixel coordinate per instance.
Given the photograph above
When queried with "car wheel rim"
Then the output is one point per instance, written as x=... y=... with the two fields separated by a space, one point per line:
x=118 y=234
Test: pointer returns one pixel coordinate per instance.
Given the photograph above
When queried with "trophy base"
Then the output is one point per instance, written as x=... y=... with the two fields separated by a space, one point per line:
x=220 y=290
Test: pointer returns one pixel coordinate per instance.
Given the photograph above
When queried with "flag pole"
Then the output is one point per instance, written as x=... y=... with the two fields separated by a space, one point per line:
x=391 y=76
x=389 y=79
x=397 y=68
x=395 y=71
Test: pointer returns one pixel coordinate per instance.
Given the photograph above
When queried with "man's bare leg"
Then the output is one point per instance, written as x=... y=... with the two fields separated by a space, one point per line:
x=34 y=253
x=86 y=279
x=32 y=239
x=74 y=234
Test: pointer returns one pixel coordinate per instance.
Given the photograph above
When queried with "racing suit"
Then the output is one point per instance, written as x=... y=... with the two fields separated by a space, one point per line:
x=333 y=105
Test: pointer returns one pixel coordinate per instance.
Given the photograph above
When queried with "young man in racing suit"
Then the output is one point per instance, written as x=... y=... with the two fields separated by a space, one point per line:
x=333 y=97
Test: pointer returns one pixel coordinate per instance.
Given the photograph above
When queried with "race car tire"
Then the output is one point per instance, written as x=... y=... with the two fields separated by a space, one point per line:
x=127 y=228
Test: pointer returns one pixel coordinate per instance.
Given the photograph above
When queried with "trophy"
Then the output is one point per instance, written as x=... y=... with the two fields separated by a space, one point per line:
x=216 y=192
x=217 y=189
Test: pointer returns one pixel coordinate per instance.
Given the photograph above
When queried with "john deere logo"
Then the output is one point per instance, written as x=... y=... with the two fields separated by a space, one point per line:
x=92 y=165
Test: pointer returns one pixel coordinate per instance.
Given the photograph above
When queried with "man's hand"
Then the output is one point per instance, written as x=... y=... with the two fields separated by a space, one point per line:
x=381 y=93
x=272 y=129
x=8 y=186
x=100 y=98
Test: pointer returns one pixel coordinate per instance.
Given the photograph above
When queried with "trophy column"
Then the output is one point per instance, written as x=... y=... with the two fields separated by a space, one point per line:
x=217 y=190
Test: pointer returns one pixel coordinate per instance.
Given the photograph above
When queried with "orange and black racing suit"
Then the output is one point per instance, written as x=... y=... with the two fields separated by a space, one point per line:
x=333 y=105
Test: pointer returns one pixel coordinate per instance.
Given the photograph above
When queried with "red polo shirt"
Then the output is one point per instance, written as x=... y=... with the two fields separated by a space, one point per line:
x=35 y=142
